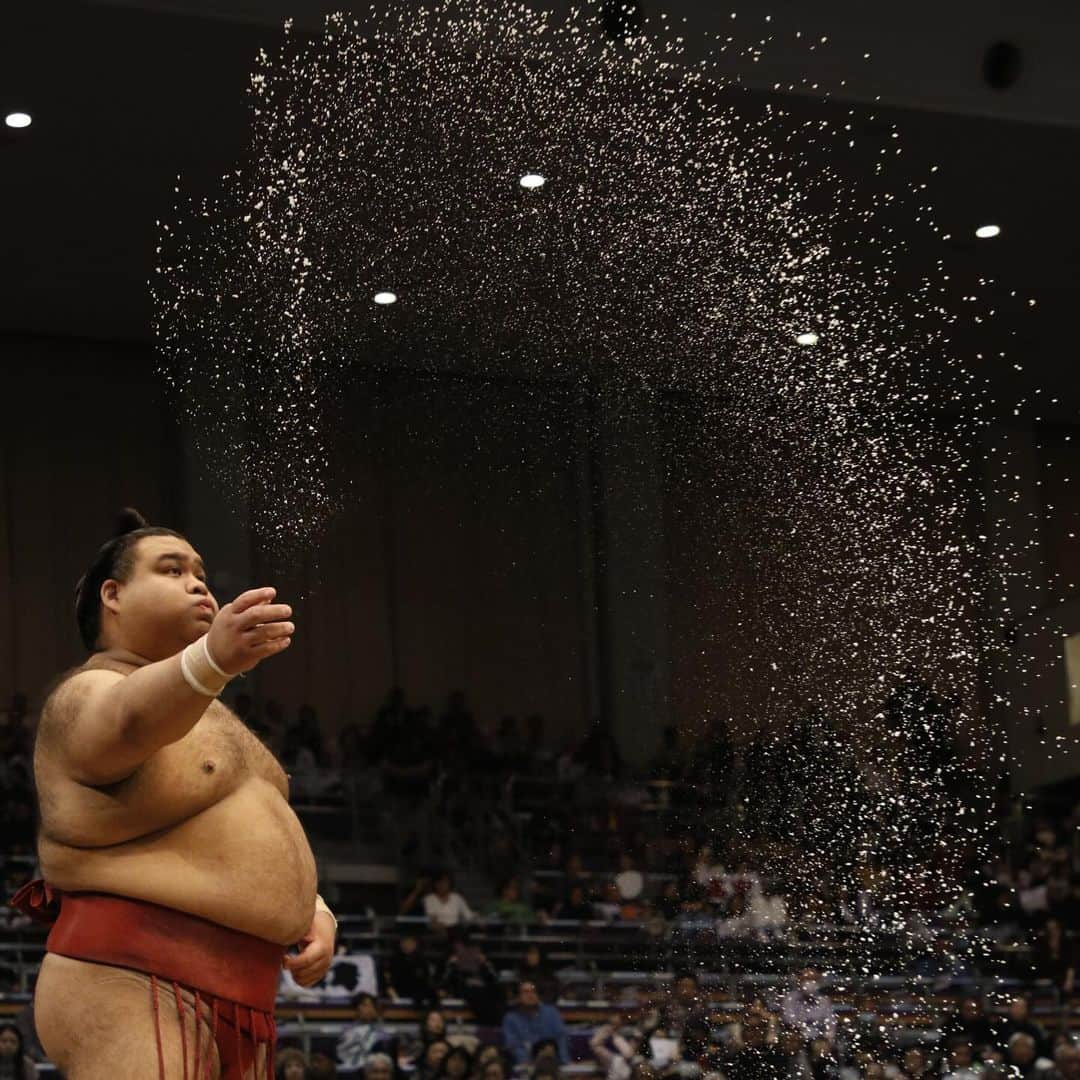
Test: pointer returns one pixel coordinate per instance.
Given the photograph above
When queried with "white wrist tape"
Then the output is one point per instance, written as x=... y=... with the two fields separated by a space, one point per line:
x=200 y=673
x=320 y=905
x=210 y=658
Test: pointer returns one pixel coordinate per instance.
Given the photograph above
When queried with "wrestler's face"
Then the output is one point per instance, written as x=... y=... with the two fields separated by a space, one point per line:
x=165 y=603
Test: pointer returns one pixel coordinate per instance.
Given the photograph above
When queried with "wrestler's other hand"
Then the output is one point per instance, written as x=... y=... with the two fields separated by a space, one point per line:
x=248 y=630
x=316 y=947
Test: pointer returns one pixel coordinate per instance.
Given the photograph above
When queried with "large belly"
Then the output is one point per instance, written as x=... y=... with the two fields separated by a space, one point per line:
x=243 y=862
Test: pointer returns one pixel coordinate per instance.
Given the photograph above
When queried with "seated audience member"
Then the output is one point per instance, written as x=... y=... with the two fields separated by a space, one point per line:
x=614 y=1045
x=536 y=969
x=509 y=905
x=491 y=1064
x=364 y=1037
x=808 y=1010
x=469 y=975
x=430 y=1061
x=1022 y=1056
x=14 y=1061
x=412 y=904
x=754 y=1057
x=960 y=1062
x=917 y=1064
x=457 y=1065
x=432 y=1027
x=1054 y=956
x=1066 y=1063
x=575 y=906
x=971 y=1024
x=379 y=1066
x=407 y=973
x=629 y=880
x=823 y=1063
x=323 y=1067
x=1018 y=1019
x=444 y=907
x=529 y=1022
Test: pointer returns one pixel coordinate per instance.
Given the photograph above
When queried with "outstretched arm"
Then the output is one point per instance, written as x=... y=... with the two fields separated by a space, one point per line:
x=107 y=724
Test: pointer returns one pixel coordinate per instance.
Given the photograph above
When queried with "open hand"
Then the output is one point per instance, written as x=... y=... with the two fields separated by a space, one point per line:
x=248 y=630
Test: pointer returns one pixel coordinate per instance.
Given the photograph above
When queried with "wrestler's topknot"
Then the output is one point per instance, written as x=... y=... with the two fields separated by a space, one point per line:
x=113 y=560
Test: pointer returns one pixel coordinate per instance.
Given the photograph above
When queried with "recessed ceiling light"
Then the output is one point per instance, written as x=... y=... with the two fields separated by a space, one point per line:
x=385 y=298
x=17 y=120
x=532 y=180
x=984 y=232
x=809 y=338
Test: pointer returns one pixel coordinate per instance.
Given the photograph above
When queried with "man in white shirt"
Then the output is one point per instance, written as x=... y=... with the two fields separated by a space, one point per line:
x=629 y=879
x=444 y=907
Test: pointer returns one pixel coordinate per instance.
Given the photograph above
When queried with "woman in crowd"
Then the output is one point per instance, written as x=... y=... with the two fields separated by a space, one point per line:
x=15 y=1063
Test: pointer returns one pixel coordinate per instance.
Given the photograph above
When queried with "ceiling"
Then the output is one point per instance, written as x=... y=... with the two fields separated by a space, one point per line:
x=126 y=96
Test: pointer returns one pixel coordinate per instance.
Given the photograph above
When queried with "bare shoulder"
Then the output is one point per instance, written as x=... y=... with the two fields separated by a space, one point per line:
x=70 y=699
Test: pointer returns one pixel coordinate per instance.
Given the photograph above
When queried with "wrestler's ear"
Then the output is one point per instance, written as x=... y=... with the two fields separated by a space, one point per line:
x=110 y=594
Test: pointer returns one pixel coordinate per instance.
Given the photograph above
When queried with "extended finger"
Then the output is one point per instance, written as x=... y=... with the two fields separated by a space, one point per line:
x=264 y=632
x=268 y=648
x=252 y=597
x=263 y=613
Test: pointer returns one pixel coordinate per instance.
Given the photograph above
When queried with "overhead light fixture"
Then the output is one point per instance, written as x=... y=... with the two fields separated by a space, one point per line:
x=809 y=338
x=984 y=232
x=532 y=180
x=18 y=120
x=385 y=298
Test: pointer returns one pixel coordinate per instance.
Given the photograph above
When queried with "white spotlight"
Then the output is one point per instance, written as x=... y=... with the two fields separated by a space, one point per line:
x=532 y=180
x=18 y=120
x=984 y=232
x=385 y=298
x=809 y=338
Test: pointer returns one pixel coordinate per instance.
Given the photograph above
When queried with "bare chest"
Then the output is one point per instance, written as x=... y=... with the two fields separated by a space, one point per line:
x=181 y=780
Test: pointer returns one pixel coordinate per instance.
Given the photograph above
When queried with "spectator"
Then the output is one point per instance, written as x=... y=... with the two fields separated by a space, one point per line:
x=536 y=969
x=408 y=974
x=379 y=1066
x=432 y=1058
x=795 y=1061
x=1055 y=956
x=444 y=907
x=491 y=1064
x=1018 y=1020
x=470 y=976
x=970 y=1024
x=15 y=1063
x=432 y=1027
x=457 y=1065
x=510 y=906
x=961 y=1061
x=575 y=906
x=753 y=1057
x=1022 y=1055
x=629 y=880
x=916 y=1064
x=530 y=1022
x=363 y=1038
x=1066 y=1063
x=808 y=1010
x=614 y=1045
x=412 y=904
x=322 y=1066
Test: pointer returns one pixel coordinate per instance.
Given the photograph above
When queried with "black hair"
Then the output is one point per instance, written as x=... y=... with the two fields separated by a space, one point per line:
x=115 y=559
x=456 y=1051
x=7 y=1025
x=359 y=999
